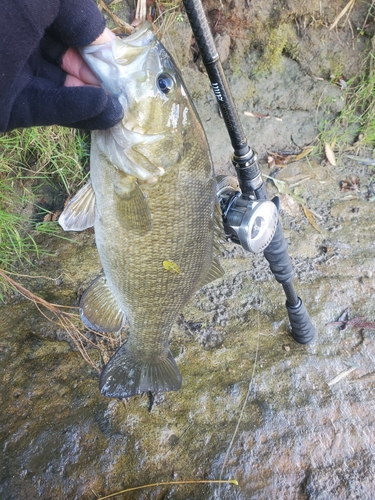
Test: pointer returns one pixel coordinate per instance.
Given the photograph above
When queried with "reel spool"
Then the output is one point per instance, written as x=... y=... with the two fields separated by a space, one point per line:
x=248 y=222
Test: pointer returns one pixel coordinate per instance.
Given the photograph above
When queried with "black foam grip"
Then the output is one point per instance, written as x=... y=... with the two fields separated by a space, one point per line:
x=303 y=331
x=277 y=255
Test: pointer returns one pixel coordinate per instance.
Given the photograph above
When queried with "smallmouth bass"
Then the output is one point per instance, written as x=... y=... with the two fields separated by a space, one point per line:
x=152 y=202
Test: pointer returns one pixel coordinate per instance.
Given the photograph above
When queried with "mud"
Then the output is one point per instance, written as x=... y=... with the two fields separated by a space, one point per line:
x=255 y=406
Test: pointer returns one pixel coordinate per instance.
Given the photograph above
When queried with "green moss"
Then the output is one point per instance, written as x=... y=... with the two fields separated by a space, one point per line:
x=275 y=42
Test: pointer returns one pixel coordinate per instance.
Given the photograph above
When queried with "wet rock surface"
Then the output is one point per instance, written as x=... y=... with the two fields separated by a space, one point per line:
x=287 y=421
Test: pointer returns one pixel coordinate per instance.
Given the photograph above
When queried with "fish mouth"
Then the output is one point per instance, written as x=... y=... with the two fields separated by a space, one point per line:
x=143 y=36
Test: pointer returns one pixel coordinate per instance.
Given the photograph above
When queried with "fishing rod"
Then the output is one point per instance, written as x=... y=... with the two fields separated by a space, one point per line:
x=250 y=218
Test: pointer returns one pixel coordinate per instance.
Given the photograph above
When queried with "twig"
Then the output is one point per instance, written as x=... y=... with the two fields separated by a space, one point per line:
x=120 y=23
x=63 y=318
x=346 y=9
x=170 y=483
x=341 y=375
x=141 y=10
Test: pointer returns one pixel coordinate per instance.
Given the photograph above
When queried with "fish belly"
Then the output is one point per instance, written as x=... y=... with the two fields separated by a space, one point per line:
x=181 y=205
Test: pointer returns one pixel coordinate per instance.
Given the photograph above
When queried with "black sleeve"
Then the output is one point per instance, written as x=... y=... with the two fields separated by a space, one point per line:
x=23 y=24
x=78 y=23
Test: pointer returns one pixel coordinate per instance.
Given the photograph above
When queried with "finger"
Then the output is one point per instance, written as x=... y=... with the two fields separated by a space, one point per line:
x=73 y=81
x=74 y=65
x=105 y=37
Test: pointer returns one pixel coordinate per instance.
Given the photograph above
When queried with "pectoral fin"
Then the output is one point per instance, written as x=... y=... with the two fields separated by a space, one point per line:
x=99 y=309
x=131 y=205
x=80 y=212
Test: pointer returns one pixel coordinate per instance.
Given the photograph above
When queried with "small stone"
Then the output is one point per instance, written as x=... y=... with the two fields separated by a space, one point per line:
x=286 y=348
x=222 y=43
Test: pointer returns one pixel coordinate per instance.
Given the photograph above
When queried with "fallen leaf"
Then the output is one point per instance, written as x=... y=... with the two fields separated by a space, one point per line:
x=255 y=115
x=311 y=218
x=171 y=266
x=363 y=161
x=290 y=205
x=56 y=215
x=271 y=161
x=283 y=188
x=330 y=155
x=280 y=159
x=351 y=184
x=302 y=154
x=341 y=375
x=283 y=160
x=343 y=84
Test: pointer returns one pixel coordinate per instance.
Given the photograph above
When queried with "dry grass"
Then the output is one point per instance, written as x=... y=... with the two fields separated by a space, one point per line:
x=67 y=318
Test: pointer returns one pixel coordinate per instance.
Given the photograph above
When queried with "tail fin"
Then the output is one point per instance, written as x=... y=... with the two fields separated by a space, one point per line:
x=124 y=376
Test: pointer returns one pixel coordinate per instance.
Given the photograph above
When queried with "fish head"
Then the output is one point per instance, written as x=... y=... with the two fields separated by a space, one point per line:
x=157 y=109
x=152 y=93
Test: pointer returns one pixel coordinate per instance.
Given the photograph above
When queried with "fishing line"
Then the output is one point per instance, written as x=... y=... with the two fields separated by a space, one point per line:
x=242 y=409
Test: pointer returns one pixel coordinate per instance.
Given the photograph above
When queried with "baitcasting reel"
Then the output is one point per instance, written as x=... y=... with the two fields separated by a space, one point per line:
x=248 y=222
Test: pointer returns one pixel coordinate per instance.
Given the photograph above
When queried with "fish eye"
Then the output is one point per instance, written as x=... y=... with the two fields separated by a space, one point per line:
x=165 y=83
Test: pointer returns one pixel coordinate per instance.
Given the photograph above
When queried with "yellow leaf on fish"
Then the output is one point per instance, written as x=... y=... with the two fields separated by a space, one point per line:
x=171 y=266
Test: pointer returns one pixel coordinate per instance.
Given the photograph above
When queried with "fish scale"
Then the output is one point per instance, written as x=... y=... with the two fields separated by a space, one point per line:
x=153 y=192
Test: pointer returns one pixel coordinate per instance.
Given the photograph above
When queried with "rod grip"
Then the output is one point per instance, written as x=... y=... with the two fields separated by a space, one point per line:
x=303 y=331
x=278 y=258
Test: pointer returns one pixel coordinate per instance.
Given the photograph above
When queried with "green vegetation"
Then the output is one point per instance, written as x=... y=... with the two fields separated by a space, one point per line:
x=355 y=125
x=362 y=103
x=276 y=41
x=33 y=163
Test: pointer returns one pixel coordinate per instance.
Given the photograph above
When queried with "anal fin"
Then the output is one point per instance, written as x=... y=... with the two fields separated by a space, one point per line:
x=99 y=309
x=215 y=272
x=79 y=214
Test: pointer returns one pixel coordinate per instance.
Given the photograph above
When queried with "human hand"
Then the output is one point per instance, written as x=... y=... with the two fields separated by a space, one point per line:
x=78 y=72
x=45 y=80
